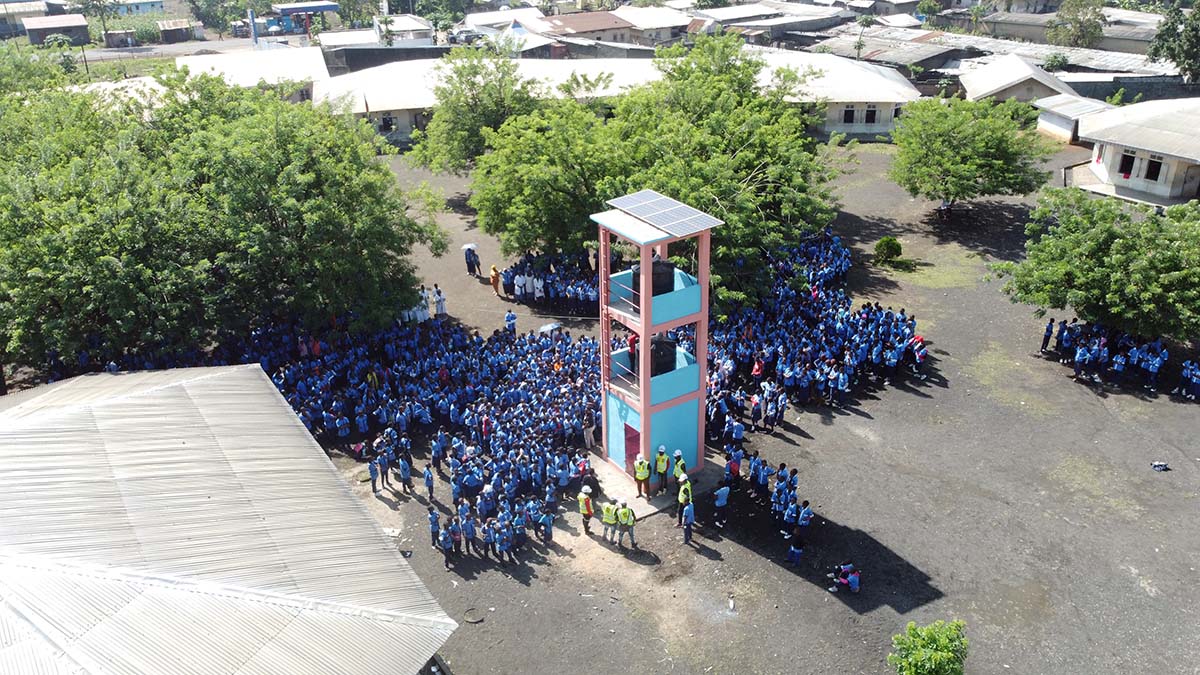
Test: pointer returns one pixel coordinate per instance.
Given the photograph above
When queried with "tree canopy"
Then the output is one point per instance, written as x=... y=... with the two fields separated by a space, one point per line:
x=937 y=649
x=140 y=227
x=706 y=134
x=954 y=150
x=1078 y=23
x=479 y=89
x=1112 y=262
x=1178 y=41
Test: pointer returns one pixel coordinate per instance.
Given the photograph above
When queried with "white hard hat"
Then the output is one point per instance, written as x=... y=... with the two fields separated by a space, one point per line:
x=587 y=490
x=623 y=502
x=662 y=448
x=682 y=477
x=679 y=453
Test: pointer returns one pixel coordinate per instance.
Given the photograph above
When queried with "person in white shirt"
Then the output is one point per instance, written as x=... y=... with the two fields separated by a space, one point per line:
x=439 y=300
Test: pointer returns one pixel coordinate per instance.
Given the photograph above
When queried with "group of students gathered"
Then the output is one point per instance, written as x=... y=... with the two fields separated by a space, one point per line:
x=1100 y=354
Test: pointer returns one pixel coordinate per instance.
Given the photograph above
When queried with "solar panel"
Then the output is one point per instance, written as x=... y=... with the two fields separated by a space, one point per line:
x=670 y=216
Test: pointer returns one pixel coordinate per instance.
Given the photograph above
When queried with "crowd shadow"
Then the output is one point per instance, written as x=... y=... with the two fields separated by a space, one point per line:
x=887 y=577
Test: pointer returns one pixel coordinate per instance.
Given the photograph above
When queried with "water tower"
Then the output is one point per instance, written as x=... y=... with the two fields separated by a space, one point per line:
x=653 y=384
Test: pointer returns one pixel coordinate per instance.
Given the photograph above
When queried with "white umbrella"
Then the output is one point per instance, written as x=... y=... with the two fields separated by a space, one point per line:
x=549 y=327
x=469 y=246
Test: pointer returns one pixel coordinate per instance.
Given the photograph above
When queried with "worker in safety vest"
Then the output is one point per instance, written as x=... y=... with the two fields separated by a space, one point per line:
x=685 y=497
x=641 y=474
x=625 y=522
x=585 y=508
x=662 y=465
x=608 y=516
x=680 y=468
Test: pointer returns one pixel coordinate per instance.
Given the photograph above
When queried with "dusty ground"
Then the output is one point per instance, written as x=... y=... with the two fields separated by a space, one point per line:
x=998 y=492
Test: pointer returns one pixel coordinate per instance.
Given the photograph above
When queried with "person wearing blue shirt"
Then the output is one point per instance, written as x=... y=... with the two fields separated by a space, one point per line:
x=434 y=526
x=405 y=470
x=689 y=518
x=446 y=543
x=721 y=502
x=510 y=322
x=429 y=481
x=795 y=549
x=385 y=480
x=1049 y=332
x=343 y=427
x=1081 y=359
x=373 y=471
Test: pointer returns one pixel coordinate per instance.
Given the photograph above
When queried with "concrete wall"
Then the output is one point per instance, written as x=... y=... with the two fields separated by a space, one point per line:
x=1151 y=88
x=1029 y=90
x=1056 y=126
x=1176 y=179
x=78 y=34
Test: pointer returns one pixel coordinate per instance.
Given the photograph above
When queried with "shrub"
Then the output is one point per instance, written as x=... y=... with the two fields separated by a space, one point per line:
x=937 y=649
x=1056 y=62
x=887 y=249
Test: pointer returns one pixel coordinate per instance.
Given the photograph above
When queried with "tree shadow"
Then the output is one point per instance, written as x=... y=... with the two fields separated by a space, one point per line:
x=991 y=227
x=887 y=577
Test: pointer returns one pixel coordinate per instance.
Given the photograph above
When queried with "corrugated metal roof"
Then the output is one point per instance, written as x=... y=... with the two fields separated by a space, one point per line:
x=1006 y=72
x=1164 y=127
x=57 y=21
x=1071 y=107
x=161 y=521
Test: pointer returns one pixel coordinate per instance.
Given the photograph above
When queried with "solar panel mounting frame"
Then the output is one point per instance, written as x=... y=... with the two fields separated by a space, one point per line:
x=669 y=215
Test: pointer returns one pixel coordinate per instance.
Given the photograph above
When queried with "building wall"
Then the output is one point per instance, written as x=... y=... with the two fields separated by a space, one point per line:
x=655 y=36
x=1029 y=90
x=835 y=120
x=140 y=7
x=610 y=35
x=1056 y=126
x=1177 y=178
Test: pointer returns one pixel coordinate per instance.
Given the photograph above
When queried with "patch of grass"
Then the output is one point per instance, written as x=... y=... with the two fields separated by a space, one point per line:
x=1101 y=486
x=947 y=266
x=1008 y=380
x=120 y=69
x=903 y=264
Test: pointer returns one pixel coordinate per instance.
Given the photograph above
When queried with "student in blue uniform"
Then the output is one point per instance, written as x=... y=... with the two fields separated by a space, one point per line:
x=429 y=481
x=1047 y=334
x=721 y=503
x=434 y=527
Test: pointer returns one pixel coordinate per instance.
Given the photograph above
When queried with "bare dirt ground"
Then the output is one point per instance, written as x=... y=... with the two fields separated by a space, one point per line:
x=998 y=492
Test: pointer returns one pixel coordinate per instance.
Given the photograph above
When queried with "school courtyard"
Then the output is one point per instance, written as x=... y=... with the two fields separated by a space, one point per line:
x=997 y=491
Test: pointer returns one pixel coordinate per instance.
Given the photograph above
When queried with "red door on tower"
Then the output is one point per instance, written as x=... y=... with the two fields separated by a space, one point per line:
x=633 y=445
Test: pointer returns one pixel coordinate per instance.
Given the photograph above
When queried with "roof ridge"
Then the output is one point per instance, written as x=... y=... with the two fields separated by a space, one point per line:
x=300 y=602
x=220 y=371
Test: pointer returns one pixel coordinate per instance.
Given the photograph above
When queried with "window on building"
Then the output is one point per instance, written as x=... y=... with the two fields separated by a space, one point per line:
x=1154 y=168
x=848 y=115
x=871 y=114
x=896 y=113
x=388 y=123
x=1126 y=166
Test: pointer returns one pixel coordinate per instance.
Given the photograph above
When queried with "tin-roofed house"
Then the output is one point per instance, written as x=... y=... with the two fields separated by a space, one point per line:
x=1146 y=151
x=74 y=26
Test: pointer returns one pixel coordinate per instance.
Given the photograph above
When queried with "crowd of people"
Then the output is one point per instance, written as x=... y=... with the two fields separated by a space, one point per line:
x=1100 y=354
x=563 y=283
x=508 y=417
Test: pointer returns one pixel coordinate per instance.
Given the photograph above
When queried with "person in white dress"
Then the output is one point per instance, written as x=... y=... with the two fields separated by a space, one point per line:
x=423 y=305
x=539 y=289
x=439 y=300
x=529 y=287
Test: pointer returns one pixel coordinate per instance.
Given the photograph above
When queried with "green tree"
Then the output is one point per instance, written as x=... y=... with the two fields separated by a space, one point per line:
x=1122 y=265
x=706 y=134
x=864 y=22
x=479 y=89
x=977 y=14
x=24 y=71
x=168 y=226
x=1056 y=62
x=648 y=3
x=62 y=44
x=937 y=649
x=1078 y=23
x=953 y=149
x=99 y=9
x=711 y=4
x=1178 y=41
x=929 y=9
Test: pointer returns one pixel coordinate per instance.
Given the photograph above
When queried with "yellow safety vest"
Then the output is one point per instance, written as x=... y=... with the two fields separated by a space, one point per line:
x=641 y=469
x=608 y=514
x=685 y=492
x=661 y=462
x=585 y=505
x=625 y=516
x=680 y=467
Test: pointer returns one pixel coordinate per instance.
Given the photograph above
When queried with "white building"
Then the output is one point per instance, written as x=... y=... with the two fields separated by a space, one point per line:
x=248 y=68
x=1150 y=148
x=1012 y=76
x=860 y=98
x=653 y=25
x=1060 y=114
